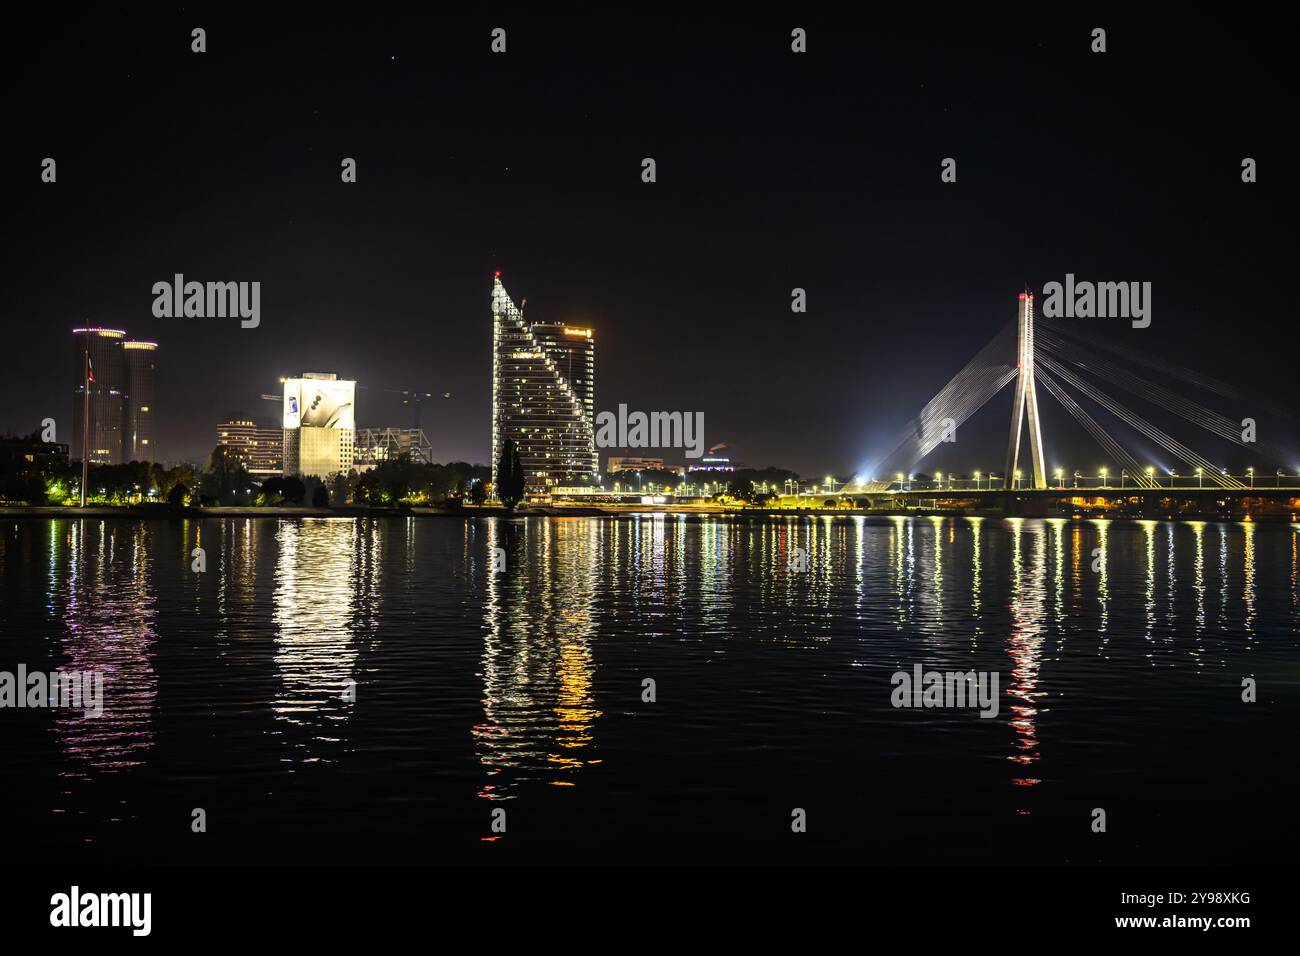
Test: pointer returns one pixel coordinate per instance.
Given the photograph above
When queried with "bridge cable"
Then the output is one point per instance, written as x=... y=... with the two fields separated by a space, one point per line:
x=1166 y=441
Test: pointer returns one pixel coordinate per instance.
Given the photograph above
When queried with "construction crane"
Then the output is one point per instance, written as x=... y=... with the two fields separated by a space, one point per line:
x=410 y=397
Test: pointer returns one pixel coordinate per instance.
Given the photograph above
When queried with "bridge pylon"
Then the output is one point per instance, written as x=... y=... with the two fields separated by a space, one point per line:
x=1026 y=400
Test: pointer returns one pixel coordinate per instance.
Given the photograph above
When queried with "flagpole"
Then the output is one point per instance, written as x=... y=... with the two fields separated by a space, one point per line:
x=85 y=420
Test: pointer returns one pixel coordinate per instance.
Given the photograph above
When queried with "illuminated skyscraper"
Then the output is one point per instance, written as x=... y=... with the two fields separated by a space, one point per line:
x=137 y=401
x=543 y=395
x=106 y=390
x=121 y=397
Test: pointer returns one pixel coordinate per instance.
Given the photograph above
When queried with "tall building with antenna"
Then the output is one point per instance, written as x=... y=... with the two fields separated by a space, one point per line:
x=543 y=396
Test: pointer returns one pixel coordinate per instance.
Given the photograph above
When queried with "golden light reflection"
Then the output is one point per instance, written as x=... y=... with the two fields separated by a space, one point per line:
x=1101 y=559
x=860 y=558
x=1198 y=573
x=1248 y=573
x=976 y=530
x=1223 y=575
x=539 y=709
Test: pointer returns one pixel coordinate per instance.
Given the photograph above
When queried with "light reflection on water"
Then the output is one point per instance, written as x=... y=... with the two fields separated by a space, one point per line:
x=324 y=604
x=539 y=711
x=107 y=619
x=508 y=685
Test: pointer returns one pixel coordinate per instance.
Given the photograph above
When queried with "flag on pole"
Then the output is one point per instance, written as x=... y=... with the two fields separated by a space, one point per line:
x=90 y=370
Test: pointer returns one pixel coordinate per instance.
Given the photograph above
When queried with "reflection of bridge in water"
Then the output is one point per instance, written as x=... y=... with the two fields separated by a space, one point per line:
x=1053 y=356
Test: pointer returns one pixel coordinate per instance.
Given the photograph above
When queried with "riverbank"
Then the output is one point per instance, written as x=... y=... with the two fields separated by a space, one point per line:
x=538 y=511
x=237 y=511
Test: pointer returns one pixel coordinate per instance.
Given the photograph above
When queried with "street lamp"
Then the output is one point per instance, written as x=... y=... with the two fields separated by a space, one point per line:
x=1076 y=479
x=938 y=477
x=1123 y=473
x=1017 y=481
x=1103 y=478
x=1251 y=472
x=1200 y=482
x=977 y=480
x=1151 y=474
x=1060 y=478
x=900 y=482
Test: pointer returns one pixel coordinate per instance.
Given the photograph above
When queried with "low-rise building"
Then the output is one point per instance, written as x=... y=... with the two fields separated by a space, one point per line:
x=258 y=447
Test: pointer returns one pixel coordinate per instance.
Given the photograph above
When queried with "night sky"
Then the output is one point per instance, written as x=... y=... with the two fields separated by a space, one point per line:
x=775 y=171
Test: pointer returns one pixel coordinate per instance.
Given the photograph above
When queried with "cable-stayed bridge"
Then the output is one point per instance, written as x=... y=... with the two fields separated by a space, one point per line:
x=1052 y=354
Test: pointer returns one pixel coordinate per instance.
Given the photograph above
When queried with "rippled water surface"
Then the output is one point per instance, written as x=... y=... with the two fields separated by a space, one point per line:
x=226 y=690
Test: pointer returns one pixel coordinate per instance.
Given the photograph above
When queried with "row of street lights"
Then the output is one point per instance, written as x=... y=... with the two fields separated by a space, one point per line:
x=905 y=481
x=981 y=481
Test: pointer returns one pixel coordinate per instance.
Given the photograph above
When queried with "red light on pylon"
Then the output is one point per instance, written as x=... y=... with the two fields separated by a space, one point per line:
x=1024 y=295
x=497 y=274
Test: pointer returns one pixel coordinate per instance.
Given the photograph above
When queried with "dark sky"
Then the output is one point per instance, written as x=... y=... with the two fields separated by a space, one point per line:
x=775 y=170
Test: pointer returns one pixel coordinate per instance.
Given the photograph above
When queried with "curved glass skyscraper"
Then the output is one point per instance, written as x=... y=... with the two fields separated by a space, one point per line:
x=543 y=396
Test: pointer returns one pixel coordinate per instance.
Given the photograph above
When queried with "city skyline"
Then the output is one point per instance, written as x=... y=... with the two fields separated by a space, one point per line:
x=127 y=424
x=905 y=275
x=521 y=439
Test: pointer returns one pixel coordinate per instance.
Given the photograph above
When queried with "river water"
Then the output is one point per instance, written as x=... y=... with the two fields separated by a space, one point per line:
x=378 y=690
